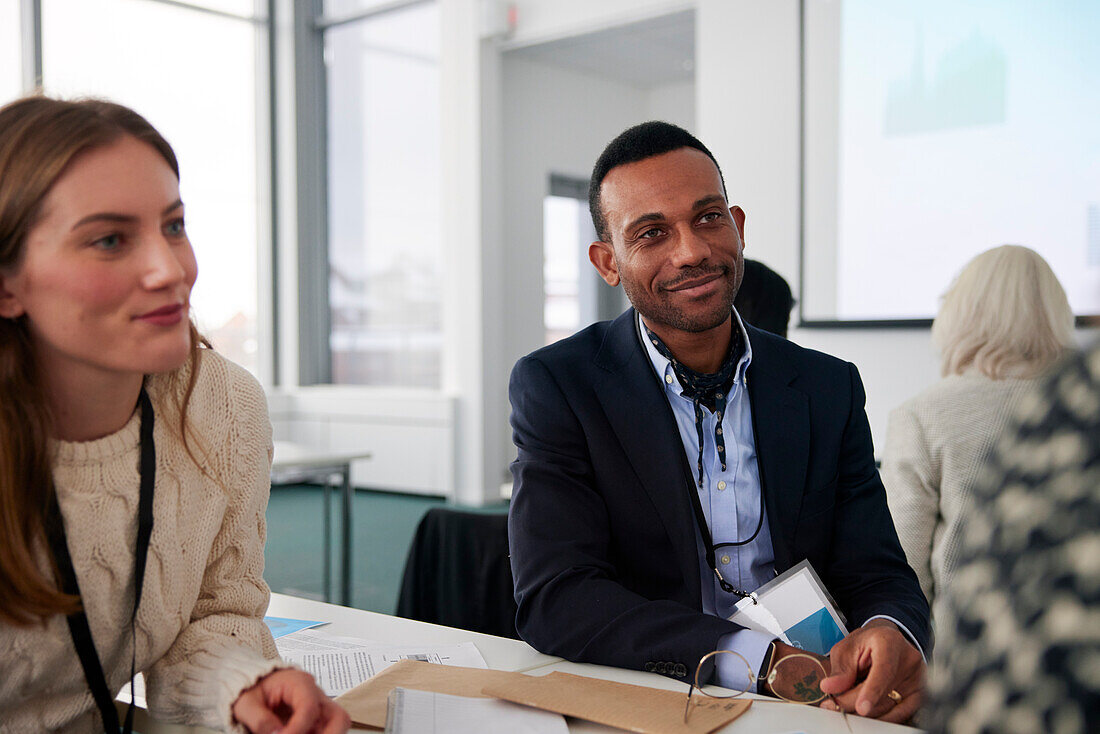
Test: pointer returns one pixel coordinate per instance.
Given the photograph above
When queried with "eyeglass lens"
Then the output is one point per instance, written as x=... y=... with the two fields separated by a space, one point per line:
x=797 y=678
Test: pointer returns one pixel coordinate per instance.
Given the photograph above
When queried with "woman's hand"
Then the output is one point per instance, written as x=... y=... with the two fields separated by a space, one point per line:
x=289 y=701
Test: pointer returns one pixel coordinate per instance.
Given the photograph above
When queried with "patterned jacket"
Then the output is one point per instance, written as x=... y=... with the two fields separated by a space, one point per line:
x=1020 y=641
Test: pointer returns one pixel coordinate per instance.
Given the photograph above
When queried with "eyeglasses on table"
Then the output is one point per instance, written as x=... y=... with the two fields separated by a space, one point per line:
x=794 y=678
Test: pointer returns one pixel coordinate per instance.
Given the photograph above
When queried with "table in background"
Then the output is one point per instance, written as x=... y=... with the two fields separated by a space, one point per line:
x=294 y=463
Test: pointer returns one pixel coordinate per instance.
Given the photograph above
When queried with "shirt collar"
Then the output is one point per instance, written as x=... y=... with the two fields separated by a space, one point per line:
x=663 y=367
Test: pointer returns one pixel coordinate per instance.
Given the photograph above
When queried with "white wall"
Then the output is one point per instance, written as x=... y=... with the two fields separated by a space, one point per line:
x=408 y=434
x=539 y=21
x=752 y=50
x=507 y=130
x=554 y=121
x=446 y=441
x=507 y=134
x=749 y=50
x=471 y=295
x=673 y=102
x=747 y=110
x=558 y=121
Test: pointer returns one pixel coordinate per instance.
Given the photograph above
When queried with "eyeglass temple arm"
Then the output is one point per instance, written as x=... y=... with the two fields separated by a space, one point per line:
x=753 y=678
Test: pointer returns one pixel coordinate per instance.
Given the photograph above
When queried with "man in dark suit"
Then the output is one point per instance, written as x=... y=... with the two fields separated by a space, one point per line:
x=675 y=459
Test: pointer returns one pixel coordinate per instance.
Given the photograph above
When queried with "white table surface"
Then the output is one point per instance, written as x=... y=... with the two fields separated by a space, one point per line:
x=499 y=653
x=764 y=717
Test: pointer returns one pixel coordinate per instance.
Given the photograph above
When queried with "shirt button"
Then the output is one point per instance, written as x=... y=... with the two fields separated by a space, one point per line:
x=725 y=560
x=668 y=379
x=721 y=485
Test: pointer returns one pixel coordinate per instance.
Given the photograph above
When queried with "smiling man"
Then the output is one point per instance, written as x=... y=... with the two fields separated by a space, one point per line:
x=675 y=459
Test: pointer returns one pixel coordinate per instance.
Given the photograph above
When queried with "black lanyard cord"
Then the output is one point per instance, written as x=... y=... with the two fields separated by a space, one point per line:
x=708 y=540
x=700 y=518
x=78 y=621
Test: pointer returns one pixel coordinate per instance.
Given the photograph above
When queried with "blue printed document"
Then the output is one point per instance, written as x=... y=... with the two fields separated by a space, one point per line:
x=281 y=626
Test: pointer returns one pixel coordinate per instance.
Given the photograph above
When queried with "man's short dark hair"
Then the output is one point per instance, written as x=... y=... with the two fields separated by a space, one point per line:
x=636 y=144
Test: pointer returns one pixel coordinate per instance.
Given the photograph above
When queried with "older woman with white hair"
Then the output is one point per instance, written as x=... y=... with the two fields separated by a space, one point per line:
x=1003 y=322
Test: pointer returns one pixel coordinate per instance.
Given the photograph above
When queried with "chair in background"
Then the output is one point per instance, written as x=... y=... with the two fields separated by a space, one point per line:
x=457 y=573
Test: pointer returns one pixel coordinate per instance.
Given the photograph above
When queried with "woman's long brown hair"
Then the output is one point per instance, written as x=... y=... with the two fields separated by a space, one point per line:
x=39 y=137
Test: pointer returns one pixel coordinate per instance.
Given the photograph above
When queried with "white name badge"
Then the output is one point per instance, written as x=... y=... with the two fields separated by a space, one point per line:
x=796 y=608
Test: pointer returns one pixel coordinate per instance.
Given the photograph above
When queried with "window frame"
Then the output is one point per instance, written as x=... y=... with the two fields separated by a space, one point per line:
x=267 y=158
x=314 y=350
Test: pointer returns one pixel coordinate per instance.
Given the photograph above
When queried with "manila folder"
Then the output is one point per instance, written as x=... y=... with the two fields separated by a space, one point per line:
x=630 y=707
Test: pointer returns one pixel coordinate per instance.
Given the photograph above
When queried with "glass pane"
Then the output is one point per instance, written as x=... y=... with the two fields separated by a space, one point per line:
x=197 y=86
x=563 y=220
x=384 y=199
x=336 y=8
x=252 y=8
x=11 y=62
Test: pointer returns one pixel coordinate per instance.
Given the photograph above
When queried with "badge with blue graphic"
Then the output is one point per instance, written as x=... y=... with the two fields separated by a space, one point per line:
x=795 y=607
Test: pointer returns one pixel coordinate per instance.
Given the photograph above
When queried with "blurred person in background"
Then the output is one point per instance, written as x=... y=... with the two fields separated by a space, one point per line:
x=1003 y=322
x=764 y=298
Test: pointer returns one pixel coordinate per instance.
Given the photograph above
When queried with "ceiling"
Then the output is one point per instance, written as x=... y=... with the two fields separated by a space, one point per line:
x=647 y=53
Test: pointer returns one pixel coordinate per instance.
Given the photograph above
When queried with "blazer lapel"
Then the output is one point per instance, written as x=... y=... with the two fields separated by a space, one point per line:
x=781 y=424
x=642 y=420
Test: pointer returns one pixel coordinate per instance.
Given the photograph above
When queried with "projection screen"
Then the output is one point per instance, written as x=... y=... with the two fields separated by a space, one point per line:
x=936 y=130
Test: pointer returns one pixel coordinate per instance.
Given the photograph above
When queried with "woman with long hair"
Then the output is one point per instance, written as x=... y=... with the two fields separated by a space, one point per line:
x=134 y=460
x=1003 y=323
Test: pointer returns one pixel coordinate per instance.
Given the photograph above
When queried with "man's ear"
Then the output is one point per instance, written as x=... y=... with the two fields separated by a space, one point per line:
x=10 y=306
x=602 y=255
x=738 y=215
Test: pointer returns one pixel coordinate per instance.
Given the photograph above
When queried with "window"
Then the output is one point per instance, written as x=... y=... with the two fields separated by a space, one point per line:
x=243 y=8
x=384 y=194
x=563 y=219
x=575 y=294
x=194 y=75
x=11 y=59
x=338 y=8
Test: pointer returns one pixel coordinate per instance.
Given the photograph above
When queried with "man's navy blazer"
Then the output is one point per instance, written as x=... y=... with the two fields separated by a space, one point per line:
x=604 y=550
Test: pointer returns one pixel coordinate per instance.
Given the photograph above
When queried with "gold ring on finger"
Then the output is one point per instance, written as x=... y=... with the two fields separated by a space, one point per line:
x=894 y=696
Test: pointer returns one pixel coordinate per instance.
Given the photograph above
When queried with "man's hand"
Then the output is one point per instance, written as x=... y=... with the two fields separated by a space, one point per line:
x=289 y=701
x=870 y=663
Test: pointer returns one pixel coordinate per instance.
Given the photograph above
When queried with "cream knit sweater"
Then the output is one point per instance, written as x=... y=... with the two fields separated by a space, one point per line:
x=937 y=445
x=200 y=633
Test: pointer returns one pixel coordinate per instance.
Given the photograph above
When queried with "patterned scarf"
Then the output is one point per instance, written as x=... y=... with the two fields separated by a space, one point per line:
x=708 y=390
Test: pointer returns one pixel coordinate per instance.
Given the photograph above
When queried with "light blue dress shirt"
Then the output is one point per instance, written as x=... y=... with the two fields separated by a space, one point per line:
x=732 y=505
